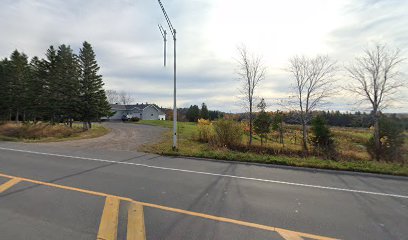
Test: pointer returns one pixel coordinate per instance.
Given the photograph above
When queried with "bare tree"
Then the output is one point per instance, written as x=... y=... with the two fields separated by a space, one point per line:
x=314 y=83
x=251 y=72
x=112 y=96
x=125 y=98
x=376 y=81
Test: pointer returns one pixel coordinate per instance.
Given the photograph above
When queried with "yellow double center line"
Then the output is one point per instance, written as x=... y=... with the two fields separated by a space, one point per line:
x=109 y=221
x=136 y=226
x=108 y=228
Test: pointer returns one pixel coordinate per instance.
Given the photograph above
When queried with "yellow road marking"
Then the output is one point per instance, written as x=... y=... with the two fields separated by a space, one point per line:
x=289 y=235
x=108 y=228
x=233 y=221
x=9 y=184
x=196 y=214
x=136 y=226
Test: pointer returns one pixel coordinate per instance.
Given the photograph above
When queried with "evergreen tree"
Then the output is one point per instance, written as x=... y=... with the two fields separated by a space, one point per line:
x=262 y=122
x=4 y=86
x=93 y=101
x=215 y=115
x=391 y=140
x=193 y=113
x=204 y=112
x=37 y=91
x=67 y=78
x=62 y=87
x=52 y=86
x=322 y=138
x=19 y=74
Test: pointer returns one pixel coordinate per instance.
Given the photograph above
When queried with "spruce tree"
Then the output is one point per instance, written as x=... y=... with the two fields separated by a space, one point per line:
x=67 y=78
x=322 y=138
x=204 y=112
x=37 y=91
x=52 y=86
x=262 y=122
x=4 y=90
x=93 y=101
x=19 y=74
x=193 y=113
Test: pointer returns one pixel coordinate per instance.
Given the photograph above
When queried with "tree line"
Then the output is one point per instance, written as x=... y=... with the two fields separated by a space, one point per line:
x=193 y=113
x=62 y=87
x=346 y=119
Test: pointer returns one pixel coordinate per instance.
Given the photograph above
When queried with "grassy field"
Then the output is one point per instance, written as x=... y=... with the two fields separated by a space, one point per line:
x=44 y=132
x=350 y=142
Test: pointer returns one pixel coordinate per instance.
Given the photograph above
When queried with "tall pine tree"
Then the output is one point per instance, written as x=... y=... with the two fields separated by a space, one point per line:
x=37 y=91
x=93 y=101
x=19 y=75
x=204 y=112
x=52 y=86
x=67 y=78
x=5 y=90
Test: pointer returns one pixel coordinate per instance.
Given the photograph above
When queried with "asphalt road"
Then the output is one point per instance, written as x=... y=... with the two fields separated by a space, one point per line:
x=322 y=203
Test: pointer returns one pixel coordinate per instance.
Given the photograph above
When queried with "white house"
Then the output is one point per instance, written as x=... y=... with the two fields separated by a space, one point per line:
x=141 y=111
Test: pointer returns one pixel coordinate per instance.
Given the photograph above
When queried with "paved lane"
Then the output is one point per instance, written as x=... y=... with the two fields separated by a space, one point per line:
x=324 y=212
x=319 y=211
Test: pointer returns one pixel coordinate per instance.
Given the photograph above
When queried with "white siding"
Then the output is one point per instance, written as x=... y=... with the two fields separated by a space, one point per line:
x=150 y=113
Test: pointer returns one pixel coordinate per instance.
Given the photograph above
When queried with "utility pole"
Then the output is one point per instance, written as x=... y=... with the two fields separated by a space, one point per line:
x=164 y=34
x=173 y=32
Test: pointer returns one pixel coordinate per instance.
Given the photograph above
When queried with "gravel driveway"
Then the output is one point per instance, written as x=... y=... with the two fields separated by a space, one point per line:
x=123 y=136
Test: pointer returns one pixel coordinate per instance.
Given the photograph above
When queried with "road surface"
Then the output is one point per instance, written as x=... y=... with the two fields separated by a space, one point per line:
x=76 y=190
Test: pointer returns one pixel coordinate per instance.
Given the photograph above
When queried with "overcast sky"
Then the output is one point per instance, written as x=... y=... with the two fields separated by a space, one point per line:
x=128 y=43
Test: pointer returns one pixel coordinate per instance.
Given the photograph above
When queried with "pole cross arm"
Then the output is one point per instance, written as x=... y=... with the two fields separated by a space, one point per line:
x=163 y=32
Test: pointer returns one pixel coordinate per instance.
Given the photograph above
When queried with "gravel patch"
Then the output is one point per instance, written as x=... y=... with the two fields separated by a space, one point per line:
x=123 y=136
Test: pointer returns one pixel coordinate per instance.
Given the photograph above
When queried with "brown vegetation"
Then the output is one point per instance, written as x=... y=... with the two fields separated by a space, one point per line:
x=41 y=131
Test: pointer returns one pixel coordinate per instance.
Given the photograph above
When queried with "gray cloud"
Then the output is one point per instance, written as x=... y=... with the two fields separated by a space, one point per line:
x=128 y=44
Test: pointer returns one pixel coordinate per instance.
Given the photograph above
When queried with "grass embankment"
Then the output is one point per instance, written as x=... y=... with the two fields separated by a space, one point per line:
x=44 y=132
x=350 y=145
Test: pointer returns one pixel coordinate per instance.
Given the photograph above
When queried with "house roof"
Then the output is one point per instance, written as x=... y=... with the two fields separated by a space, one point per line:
x=139 y=107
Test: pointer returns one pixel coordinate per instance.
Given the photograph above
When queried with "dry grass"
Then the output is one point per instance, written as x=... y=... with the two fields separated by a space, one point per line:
x=350 y=144
x=43 y=132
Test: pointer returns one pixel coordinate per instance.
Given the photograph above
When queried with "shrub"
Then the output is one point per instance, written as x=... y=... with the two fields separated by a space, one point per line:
x=322 y=138
x=134 y=119
x=228 y=133
x=36 y=131
x=205 y=130
x=391 y=141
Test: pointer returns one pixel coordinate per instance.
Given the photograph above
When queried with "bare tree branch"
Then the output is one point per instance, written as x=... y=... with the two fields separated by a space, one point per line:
x=376 y=80
x=314 y=83
x=112 y=96
x=251 y=72
x=125 y=98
